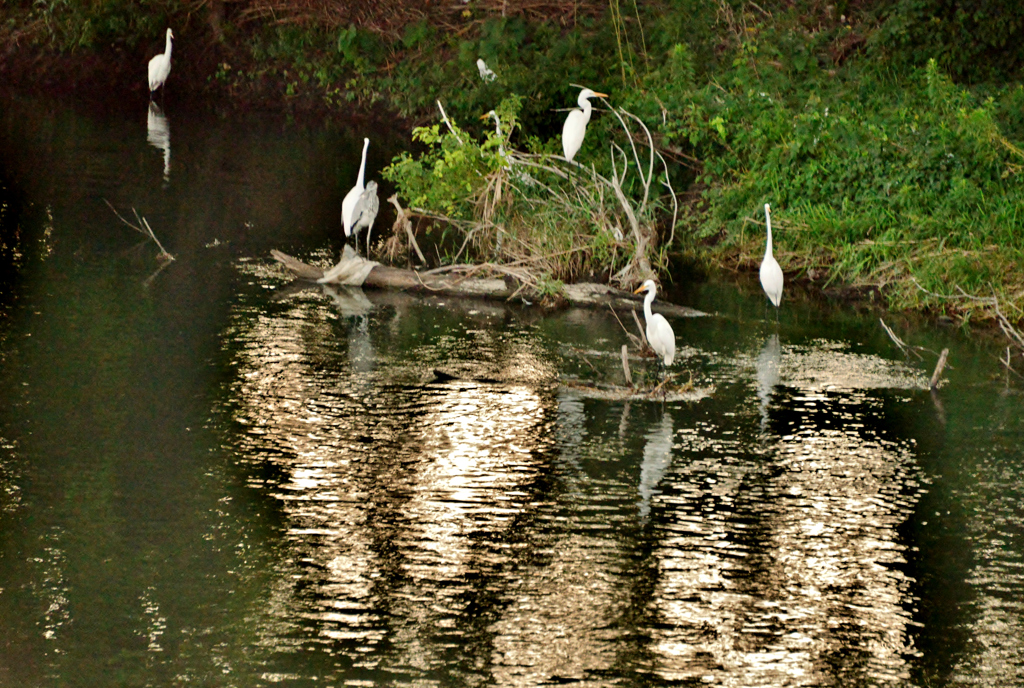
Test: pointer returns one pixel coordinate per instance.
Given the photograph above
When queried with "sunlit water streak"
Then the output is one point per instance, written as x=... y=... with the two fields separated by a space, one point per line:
x=995 y=502
x=426 y=521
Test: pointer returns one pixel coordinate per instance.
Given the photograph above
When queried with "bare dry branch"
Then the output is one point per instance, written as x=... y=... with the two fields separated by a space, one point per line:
x=143 y=228
x=938 y=369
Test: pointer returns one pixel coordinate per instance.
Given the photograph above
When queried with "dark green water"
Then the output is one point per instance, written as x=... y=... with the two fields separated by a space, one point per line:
x=206 y=479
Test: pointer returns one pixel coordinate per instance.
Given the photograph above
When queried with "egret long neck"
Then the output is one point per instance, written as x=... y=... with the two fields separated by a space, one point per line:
x=362 y=165
x=768 y=245
x=585 y=104
x=648 y=313
x=167 y=50
x=497 y=130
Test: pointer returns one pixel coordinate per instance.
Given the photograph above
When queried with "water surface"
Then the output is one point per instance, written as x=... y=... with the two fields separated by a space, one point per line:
x=207 y=478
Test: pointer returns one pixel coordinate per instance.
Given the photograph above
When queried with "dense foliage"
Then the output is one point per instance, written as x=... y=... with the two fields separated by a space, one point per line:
x=886 y=134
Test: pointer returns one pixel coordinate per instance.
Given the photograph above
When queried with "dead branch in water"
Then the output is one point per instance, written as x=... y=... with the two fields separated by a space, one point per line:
x=938 y=369
x=625 y=363
x=903 y=346
x=143 y=228
x=638 y=342
x=1007 y=363
x=1012 y=333
x=495 y=282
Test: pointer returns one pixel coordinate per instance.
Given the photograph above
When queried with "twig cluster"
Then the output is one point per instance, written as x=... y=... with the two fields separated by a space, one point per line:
x=143 y=228
x=1015 y=336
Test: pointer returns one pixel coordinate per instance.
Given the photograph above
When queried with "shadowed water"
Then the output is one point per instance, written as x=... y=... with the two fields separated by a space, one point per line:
x=208 y=478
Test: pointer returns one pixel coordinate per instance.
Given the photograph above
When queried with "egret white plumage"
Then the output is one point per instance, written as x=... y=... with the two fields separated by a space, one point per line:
x=365 y=212
x=486 y=73
x=771 y=273
x=160 y=66
x=348 y=205
x=659 y=333
x=497 y=129
x=575 y=127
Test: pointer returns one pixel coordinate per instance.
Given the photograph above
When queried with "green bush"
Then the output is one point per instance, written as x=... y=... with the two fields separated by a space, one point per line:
x=973 y=41
x=873 y=175
x=69 y=25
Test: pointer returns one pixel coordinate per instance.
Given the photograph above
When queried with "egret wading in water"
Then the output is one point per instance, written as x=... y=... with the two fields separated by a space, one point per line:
x=771 y=273
x=160 y=66
x=348 y=205
x=659 y=333
x=575 y=127
x=365 y=213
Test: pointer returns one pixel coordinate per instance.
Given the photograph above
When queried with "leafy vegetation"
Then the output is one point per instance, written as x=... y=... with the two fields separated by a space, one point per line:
x=883 y=174
x=70 y=25
x=903 y=181
x=551 y=219
x=886 y=134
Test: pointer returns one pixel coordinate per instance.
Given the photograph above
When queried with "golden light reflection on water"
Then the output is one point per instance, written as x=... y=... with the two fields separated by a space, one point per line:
x=804 y=583
x=775 y=563
x=396 y=497
x=524 y=537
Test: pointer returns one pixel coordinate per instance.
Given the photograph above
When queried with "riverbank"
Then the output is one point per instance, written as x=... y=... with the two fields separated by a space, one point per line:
x=885 y=172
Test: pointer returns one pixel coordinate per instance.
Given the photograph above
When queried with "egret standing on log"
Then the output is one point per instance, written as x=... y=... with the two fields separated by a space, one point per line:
x=575 y=127
x=348 y=206
x=160 y=67
x=365 y=213
x=659 y=333
x=771 y=273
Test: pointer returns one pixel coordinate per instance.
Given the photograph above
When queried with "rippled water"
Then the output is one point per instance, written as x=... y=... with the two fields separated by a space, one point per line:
x=210 y=478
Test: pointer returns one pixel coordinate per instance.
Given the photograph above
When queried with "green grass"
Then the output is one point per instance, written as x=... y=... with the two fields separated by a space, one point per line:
x=906 y=182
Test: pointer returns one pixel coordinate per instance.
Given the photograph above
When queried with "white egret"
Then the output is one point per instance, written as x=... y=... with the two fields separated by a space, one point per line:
x=160 y=66
x=365 y=212
x=348 y=205
x=519 y=175
x=575 y=127
x=771 y=273
x=659 y=333
x=497 y=130
x=486 y=73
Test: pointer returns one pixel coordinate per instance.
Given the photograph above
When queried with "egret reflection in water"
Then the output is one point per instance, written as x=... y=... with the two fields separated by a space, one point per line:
x=350 y=301
x=656 y=460
x=158 y=135
x=767 y=369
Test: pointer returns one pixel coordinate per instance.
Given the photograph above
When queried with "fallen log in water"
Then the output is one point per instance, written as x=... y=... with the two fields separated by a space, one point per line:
x=462 y=281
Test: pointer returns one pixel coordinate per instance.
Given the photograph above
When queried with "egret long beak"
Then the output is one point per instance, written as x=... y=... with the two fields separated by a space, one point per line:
x=600 y=95
x=639 y=289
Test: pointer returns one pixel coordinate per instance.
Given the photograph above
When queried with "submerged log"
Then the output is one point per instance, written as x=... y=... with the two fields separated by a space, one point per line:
x=461 y=281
